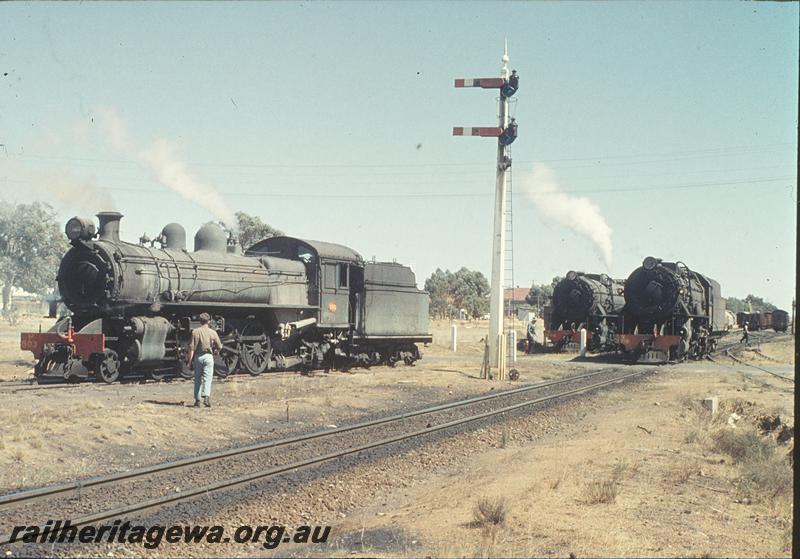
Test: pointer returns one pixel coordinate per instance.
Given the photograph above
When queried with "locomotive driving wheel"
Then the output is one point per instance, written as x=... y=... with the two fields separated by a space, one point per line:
x=256 y=349
x=107 y=368
x=225 y=362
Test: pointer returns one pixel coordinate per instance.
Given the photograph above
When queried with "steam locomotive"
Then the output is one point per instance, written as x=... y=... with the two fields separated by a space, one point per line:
x=286 y=302
x=591 y=301
x=671 y=312
x=662 y=312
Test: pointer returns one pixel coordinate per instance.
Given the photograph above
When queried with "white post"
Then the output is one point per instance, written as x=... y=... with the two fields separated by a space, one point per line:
x=583 y=342
x=498 y=246
x=512 y=336
x=453 y=337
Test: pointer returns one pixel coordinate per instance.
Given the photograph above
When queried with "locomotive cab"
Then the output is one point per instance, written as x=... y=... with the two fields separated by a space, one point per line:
x=333 y=271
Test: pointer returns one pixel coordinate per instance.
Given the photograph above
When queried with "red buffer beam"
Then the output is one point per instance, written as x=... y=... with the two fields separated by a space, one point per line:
x=485 y=83
x=484 y=131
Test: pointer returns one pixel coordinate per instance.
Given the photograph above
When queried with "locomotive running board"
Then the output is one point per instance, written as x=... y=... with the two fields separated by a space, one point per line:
x=247 y=305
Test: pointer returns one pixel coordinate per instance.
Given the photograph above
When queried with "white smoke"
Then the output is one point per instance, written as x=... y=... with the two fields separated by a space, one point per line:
x=575 y=212
x=162 y=158
x=64 y=189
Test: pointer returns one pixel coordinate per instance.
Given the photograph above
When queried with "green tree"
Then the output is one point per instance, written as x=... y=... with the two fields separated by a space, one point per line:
x=31 y=246
x=757 y=304
x=438 y=287
x=541 y=295
x=464 y=289
x=251 y=230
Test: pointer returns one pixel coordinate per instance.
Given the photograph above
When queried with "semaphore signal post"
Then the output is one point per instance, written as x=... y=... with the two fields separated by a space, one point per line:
x=505 y=133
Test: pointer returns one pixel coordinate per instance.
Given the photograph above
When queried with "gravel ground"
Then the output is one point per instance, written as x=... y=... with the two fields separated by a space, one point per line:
x=94 y=499
x=324 y=494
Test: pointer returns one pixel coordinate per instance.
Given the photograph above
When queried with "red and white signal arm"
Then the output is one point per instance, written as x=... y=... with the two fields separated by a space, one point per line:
x=483 y=131
x=485 y=83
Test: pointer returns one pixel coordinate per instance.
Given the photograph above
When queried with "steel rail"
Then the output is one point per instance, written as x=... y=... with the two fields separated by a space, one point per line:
x=171 y=498
x=729 y=354
x=51 y=490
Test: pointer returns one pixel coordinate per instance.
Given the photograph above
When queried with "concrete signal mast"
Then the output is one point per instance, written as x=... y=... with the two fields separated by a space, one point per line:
x=505 y=133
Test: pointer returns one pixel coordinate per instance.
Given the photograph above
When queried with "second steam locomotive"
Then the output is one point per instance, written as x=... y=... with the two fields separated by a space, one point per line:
x=663 y=311
x=286 y=302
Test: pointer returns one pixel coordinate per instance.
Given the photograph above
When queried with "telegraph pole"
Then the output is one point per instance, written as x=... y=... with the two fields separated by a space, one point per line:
x=505 y=133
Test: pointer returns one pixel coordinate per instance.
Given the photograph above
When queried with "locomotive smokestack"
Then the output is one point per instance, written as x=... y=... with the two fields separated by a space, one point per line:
x=109 y=226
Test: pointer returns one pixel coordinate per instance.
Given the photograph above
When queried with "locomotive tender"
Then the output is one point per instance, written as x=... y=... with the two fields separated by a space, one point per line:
x=286 y=302
x=591 y=301
x=671 y=312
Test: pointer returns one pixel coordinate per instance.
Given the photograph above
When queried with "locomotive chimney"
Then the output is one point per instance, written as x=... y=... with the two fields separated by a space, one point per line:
x=109 y=226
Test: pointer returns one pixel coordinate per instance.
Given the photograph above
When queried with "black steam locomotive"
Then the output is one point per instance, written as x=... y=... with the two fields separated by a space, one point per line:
x=590 y=301
x=671 y=312
x=285 y=303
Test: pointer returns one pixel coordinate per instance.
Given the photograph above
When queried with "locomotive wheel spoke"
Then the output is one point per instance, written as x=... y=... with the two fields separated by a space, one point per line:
x=256 y=352
x=225 y=363
x=107 y=368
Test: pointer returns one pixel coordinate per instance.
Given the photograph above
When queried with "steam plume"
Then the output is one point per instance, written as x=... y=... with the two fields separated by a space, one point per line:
x=575 y=212
x=162 y=159
x=66 y=190
x=168 y=169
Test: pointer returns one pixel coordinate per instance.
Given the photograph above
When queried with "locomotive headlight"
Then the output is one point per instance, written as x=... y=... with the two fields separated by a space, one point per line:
x=80 y=228
x=650 y=263
x=572 y=276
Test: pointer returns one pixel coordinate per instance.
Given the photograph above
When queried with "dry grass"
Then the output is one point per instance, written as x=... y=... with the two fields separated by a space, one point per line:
x=680 y=472
x=743 y=445
x=601 y=491
x=766 y=478
x=17 y=455
x=489 y=512
x=764 y=474
x=35 y=443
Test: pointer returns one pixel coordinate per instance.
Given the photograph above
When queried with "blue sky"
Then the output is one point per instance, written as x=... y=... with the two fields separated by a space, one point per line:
x=333 y=121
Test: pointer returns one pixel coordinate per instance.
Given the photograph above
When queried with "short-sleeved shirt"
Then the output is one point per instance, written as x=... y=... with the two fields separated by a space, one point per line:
x=204 y=340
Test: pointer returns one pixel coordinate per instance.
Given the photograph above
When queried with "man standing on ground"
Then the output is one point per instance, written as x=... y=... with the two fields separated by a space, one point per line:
x=531 y=334
x=745 y=334
x=204 y=344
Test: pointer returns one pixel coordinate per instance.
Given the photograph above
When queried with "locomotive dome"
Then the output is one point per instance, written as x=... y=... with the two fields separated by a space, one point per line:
x=210 y=237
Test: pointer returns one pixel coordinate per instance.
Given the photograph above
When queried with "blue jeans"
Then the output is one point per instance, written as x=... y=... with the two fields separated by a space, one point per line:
x=203 y=375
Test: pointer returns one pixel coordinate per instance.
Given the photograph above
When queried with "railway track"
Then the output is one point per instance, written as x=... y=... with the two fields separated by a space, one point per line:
x=759 y=338
x=773 y=373
x=22 y=386
x=129 y=492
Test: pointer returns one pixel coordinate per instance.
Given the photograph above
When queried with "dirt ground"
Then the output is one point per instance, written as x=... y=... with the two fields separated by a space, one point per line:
x=92 y=428
x=636 y=472
x=639 y=476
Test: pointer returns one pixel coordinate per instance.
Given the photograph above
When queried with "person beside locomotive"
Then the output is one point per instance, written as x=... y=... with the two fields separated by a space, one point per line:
x=745 y=334
x=531 y=334
x=204 y=344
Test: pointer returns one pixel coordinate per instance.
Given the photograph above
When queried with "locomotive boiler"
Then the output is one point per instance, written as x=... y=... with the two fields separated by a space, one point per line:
x=591 y=301
x=286 y=302
x=671 y=312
